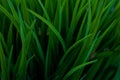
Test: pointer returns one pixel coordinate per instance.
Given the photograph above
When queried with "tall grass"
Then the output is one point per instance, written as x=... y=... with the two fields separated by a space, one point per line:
x=59 y=39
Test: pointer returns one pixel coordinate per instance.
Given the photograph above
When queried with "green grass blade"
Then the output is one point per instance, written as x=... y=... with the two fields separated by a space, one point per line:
x=24 y=11
x=14 y=13
x=106 y=31
x=10 y=59
x=77 y=68
x=60 y=15
x=3 y=64
x=73 y=46
x=45 y=12
x=81 y=28
x=9 y=16
x=4 y=43
x=41 y=55
x=51 y=27
x=10 y=36
x=117 y=77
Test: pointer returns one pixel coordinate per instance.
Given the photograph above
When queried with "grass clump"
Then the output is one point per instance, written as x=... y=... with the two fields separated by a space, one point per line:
x=59 y=39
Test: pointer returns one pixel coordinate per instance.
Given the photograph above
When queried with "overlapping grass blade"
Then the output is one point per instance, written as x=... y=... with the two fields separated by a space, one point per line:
x=41 y=55
x=24 y=11
x=9 y=16
x=59 y=39
x=14 y=13
x=45 y=12
x=77 y=68
x=51 y=27
x=73 y=46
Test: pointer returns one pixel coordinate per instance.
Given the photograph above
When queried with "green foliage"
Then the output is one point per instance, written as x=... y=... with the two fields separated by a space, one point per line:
x=59 y=39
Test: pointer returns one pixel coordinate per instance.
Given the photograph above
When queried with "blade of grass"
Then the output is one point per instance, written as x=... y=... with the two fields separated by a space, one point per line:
x=10 y=36
x=74 y=22
x=51 y=27
x=81 y=28
x=4 y=43
x=117 y=77
x=9 y=16
x=21 y=68
x=73 y=46
x=14 y=13
x=40 y=50
x=60 y=15
x=77 y=68
x=48 y=60
x=10 y=59
x=105 y=32
x=44 y=10
x=84 y=57
x=24 y=11
x=28 y=61
x=3 y=64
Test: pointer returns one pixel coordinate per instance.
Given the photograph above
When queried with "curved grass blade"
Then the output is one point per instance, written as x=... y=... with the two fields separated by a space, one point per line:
x=28 y=61
x=40 y=50
x=73 y=70
x=9 y=16
x=84 y=58
x=51 y=27
x=105 y=32
x=73 y=46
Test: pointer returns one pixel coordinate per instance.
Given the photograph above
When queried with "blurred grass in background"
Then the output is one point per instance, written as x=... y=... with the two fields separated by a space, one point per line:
x=59 y=39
